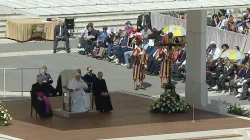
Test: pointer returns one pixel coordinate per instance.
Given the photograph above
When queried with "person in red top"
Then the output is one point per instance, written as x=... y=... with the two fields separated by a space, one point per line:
x=176 y=54
x=165 y=39
x=128 y=28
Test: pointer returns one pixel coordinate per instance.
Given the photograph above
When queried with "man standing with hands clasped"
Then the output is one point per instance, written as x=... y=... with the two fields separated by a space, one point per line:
x=143 y=20
x=61 y=34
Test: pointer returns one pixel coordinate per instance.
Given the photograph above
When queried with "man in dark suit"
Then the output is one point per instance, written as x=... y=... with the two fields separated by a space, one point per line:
x=228 y=74
x=246 y=82
x=61 y=34
x=143 y=20
x=48 y=82
x=89 y=78
x=151 y=57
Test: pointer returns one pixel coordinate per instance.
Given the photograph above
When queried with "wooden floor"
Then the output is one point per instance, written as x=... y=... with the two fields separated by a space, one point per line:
x=131 y=117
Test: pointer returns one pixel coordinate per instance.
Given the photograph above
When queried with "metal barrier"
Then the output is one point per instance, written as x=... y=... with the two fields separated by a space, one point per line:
x=21 y=69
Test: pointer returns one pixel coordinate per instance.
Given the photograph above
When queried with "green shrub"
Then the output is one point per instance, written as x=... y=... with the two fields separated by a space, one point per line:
x=5 y=118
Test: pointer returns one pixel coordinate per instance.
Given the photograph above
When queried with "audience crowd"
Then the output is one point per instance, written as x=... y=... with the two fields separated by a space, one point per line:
x=120 y=47
x=226 y=21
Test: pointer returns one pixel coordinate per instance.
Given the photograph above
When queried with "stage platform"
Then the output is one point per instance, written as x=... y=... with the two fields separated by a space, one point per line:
x=63 y=113
x=130 y=118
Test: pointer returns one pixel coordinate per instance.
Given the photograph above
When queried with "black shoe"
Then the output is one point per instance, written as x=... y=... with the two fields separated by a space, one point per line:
x=68 y=51
x=54 y=51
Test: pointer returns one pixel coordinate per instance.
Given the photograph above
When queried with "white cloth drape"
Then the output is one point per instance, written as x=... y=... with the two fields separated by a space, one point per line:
x=219 y=36
x=80 y=99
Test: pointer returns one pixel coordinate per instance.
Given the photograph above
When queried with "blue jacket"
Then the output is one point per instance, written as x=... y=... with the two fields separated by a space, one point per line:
x=150 y=51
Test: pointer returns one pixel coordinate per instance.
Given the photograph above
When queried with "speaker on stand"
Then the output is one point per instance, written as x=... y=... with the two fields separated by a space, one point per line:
x=70 y=24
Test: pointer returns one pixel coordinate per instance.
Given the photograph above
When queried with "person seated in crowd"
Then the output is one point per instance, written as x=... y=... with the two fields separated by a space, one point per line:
x=145 y=32
x=237 y=48
x=48 y=81
x=213 y=51
x=101 y=43
x=226 y=76
x=216 y=70
x=102 y=97
x=238 y=76
x=90 y=40
x=224 y=47
x=39 y=100
x=61 y=34
x=154 y=60
x=221 y=22
x=176 y=53
x=128 y=52
x=245 y=28
x=234 y=28
x=81 y=101
x=89 y=78
x=226 y=26
x=180 y=59
x=245 y=82
x=118 y=50
x=215 y=20
x=247 y=58
x=180 y=70
x=83 y=36
x=112 y=47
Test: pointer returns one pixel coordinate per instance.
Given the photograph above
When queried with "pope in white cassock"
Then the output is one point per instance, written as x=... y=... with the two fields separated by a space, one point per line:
x=79 y=98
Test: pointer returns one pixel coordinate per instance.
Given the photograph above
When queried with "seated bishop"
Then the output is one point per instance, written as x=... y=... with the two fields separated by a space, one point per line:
x=79 y=98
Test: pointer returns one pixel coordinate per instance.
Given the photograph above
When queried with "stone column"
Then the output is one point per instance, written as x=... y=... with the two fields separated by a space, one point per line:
x=196 y=88
x=196 y=58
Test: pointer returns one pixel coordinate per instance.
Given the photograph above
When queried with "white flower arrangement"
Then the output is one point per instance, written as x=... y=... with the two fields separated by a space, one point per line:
x=5 y=118
x=168 y=104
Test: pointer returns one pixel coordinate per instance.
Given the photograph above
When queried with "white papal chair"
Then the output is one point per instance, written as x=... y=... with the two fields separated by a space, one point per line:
x=66 y=76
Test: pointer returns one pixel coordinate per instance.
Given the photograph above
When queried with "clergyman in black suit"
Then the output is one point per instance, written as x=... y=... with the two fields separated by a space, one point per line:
x=61 y=34
x=143 y=20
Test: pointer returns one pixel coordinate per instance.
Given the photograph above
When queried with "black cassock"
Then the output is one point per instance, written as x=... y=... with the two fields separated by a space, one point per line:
x=38 y=105
x=103 y=103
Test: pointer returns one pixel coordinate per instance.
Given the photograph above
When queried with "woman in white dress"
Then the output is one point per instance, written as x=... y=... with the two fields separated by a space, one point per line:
x=79 y=98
